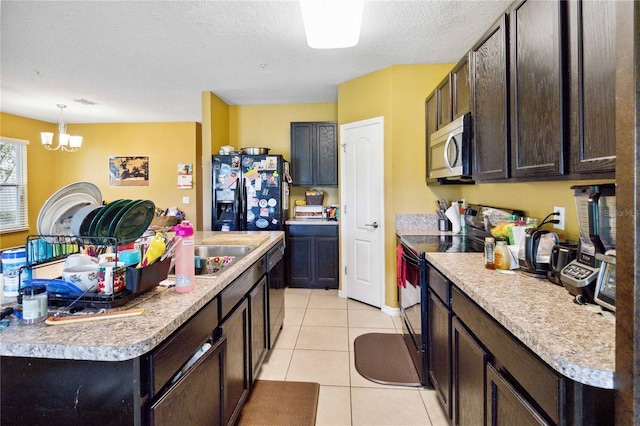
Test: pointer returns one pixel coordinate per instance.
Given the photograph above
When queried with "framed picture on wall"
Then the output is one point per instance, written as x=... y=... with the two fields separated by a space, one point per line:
x=129 y=171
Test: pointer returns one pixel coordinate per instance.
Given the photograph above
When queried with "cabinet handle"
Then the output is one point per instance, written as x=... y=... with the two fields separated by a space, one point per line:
x=374 y=225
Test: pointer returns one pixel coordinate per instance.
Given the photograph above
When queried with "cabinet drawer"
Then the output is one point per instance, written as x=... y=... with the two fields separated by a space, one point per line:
x=439 y=285
x=169 y=357
x=531 y=374
x=313 y=230
x=238 y=289
x=197 y=397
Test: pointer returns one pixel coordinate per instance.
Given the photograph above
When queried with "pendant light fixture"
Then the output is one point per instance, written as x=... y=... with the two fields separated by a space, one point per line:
x=332 y=24
x=66 y=142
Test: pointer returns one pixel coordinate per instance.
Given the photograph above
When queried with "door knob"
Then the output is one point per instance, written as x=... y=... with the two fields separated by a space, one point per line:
x=373 y=225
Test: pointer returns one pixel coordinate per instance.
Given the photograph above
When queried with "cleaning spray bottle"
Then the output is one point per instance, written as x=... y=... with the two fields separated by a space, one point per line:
x=184 y=256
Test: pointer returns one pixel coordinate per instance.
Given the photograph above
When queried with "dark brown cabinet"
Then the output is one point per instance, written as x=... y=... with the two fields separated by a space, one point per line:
x=312 y=256
x=505 y=405
x=460 y=89
x=468 y=390
x=539 y=131
x=439 y=349
x=490 y=103
x=259 y=326
x=197 y=397
x=314 y=153
x=443 y=100
x=236 y=328
x=593 y=76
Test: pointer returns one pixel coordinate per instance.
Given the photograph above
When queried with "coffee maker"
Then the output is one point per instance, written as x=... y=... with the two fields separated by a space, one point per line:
x=596 y=210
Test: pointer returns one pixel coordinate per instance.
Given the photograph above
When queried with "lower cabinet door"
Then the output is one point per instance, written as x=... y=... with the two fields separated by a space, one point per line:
x=505 y=406
x=196 y=398
x=259 y=326
x=236 y=328
x=469 y=360
x=439 y=350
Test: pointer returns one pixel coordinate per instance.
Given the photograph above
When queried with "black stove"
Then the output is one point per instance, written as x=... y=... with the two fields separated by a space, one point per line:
x=442 y=243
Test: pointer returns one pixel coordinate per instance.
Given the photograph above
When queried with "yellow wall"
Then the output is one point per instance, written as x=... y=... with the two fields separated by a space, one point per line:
x=537 y=199
x=166 y=144
x=397 y=93
x=270 y=126
x=41 y=169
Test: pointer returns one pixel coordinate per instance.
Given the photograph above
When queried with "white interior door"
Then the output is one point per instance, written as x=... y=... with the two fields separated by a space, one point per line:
x=362 y=224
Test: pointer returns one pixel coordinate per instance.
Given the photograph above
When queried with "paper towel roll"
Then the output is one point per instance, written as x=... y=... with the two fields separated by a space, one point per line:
x=453 y=214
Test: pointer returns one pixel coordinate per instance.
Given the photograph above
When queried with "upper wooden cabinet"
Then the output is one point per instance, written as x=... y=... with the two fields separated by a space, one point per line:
x=543 y=93
x=490 y=103
x=539 y=131
x=314 y=154
x=461 y=89
x=453 y=94
x=593 y=75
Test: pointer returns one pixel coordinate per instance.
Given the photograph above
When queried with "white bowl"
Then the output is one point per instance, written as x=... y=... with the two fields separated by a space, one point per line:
x=84 y=277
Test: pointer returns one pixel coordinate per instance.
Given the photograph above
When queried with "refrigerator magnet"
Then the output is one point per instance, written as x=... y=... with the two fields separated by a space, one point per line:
x=264 y=212
x=272 y=202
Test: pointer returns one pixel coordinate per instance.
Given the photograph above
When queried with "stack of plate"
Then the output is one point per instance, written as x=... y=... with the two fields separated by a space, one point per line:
x=77 y=210
x=124 y=220
x=57 y=212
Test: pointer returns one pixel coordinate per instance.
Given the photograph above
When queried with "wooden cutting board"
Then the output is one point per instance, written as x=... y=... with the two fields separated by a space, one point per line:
x=231 y=239
x=73 y=319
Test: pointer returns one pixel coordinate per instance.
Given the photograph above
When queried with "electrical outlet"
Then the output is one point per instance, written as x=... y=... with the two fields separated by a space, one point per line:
x=559 y=218
x=185 y=200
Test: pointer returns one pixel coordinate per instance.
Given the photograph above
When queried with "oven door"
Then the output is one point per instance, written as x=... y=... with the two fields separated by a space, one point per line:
x=412 y=297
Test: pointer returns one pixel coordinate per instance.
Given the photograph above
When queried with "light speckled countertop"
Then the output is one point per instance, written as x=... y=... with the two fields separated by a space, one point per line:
x=120 y=339
x=576 y=342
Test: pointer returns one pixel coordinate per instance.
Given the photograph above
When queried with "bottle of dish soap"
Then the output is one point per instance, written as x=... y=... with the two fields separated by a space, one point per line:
x=184 y=256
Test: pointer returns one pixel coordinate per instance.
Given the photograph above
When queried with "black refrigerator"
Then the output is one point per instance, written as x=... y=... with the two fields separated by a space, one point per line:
x=250 y=192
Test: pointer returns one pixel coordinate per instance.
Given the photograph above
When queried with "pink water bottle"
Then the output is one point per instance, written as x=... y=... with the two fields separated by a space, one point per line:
x=184 y=256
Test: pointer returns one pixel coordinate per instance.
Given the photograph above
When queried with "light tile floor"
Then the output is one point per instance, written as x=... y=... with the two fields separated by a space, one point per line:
x=316 y=345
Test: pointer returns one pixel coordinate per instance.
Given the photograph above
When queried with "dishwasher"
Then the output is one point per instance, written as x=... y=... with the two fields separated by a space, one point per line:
x=276 y=282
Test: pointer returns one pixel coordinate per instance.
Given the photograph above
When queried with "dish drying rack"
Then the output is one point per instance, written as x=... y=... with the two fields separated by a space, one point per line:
x=43 y=250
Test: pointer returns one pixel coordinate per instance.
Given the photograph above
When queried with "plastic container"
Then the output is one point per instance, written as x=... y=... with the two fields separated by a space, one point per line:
x=185 y=258
x=502 y=258
x=12 y=279
x=463 y=223
x=489 y=253
x=35 y=304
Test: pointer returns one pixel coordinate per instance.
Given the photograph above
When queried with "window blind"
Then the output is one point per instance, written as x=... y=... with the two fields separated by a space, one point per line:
x=14 y=202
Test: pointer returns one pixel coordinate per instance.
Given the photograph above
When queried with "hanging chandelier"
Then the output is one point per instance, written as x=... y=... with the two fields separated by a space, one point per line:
x=66 y=142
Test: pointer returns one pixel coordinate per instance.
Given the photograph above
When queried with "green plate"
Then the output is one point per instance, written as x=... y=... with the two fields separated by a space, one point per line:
x=135 y=220
x=112 y=209
x=91 y=230
x=116 y=219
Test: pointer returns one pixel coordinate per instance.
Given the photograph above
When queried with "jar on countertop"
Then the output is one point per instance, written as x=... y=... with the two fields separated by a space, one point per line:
x=35 y=304
x=501 y=256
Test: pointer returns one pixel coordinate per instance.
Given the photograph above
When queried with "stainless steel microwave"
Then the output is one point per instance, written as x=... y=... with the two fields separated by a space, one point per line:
x=450 y=151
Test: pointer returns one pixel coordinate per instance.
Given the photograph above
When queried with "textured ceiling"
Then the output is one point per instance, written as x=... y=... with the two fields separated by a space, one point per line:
x=149 y=61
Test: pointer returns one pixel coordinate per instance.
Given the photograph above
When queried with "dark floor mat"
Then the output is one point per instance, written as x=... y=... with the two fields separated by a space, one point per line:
x=280 y=403
x=384 y=358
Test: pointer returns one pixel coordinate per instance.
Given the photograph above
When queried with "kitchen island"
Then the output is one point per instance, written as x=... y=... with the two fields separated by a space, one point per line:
x=120 y=370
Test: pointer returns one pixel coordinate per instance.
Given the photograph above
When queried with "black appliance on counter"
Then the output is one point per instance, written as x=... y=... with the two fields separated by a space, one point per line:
x=250 y=192
x=413 y=291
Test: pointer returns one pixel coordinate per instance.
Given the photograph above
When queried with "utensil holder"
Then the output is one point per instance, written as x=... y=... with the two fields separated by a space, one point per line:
x=444 y=225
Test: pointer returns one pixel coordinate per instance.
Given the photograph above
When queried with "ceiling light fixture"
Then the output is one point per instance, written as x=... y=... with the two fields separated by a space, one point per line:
x=332 y=24
x=65 y=141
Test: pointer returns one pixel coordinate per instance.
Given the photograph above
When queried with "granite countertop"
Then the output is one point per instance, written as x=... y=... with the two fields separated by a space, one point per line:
x=575 y=341
x=120 y=339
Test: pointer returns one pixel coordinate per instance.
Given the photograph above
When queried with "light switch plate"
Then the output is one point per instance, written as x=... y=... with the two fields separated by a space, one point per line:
x=185 y=200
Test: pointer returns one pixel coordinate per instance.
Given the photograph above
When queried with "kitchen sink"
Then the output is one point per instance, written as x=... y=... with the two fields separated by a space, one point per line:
x=214 y=257
x=206 y=251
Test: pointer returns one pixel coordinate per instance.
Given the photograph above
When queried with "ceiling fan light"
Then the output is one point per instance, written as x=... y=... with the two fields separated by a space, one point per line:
x=46 y=138
x=332 y=24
